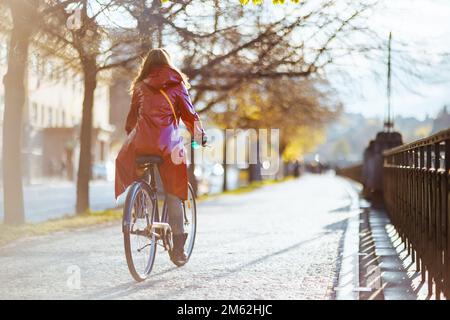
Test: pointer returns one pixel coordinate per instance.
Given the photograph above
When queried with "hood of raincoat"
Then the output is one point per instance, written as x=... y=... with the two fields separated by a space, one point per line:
x=162 y=77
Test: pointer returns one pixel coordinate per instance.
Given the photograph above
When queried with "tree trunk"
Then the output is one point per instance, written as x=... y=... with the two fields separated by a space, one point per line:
x=254 y=172
x=69 y=164
x=225 y=166
x=85 y=161
x=15 y=92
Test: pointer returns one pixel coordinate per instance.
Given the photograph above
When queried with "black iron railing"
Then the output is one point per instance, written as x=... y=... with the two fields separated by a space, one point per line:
x=416 y=194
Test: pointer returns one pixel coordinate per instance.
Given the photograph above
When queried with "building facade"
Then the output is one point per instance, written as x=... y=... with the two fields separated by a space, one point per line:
x=52 y=118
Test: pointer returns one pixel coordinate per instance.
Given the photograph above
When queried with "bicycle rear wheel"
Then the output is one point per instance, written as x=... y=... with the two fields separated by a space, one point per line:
x=139 y=213
x=190 y=221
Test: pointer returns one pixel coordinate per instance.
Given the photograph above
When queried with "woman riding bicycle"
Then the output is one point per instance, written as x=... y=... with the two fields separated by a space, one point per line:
x=159 y=100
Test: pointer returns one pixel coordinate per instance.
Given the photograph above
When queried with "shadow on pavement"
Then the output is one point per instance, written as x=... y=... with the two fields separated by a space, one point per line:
x=128 y=288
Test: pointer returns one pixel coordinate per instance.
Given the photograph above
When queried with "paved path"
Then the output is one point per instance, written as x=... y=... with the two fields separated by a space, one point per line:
x=279 y=242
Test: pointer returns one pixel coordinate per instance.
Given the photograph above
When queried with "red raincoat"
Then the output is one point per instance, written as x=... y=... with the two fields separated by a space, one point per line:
x=153 y=130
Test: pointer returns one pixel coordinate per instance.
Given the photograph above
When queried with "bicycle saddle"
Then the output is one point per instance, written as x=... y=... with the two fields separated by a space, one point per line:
x=147 y=160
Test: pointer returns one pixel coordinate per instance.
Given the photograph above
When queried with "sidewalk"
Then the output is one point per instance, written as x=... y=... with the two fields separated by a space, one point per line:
x=375 y=264
x=281 y=241
x=399 y=276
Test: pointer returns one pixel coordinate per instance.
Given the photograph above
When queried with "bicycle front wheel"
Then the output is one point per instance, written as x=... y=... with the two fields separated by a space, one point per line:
x=139 y=213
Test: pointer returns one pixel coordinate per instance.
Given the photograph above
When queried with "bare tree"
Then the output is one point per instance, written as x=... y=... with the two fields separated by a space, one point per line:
x=95 y=48
x=23 y=13
x=244 y=44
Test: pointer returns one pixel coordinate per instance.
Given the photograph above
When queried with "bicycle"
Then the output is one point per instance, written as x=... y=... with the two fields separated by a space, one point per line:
x=144 y=228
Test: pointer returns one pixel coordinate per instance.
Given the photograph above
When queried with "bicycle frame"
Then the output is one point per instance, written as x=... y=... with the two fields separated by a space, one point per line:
x=157 y=228
x=160 y=222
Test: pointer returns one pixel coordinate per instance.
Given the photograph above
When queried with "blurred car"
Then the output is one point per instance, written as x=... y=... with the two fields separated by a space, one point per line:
x=99 y=171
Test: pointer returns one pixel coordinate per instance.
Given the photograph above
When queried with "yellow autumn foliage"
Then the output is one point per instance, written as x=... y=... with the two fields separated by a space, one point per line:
x=304 y=141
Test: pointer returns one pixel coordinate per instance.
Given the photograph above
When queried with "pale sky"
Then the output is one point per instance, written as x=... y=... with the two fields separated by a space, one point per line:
x=425 y=26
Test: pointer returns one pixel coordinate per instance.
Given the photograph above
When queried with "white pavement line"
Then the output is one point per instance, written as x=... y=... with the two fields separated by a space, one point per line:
x=348 y=283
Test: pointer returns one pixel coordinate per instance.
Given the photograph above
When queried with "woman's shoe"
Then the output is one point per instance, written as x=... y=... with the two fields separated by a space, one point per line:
x=177 y=254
